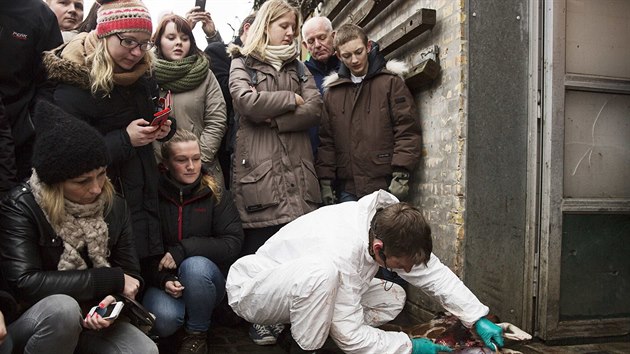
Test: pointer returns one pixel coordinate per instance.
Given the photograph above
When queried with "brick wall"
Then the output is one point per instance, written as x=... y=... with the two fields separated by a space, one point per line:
x=438 y=186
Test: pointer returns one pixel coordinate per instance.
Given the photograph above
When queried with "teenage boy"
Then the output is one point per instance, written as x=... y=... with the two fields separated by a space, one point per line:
x=317 y=273
x=370 y=135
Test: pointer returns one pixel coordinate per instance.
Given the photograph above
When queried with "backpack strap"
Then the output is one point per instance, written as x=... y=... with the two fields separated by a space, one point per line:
x=253 y=78
x=301 y=72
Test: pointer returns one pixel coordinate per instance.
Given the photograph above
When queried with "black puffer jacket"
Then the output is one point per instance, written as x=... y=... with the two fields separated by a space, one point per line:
x=30 y=251
x=133 y=170
x=195 y=224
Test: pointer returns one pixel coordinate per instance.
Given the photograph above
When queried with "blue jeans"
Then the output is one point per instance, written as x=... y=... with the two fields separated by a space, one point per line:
x=346 y=197
x=204 y=287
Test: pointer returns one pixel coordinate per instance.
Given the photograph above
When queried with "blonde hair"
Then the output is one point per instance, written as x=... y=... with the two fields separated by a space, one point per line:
x=102 y=68
x=257 y=38
x=184 y=136
x=53 y=200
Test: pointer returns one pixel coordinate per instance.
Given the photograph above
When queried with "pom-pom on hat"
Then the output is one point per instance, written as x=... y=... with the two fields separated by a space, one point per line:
x=119 y=16
x=65 y=147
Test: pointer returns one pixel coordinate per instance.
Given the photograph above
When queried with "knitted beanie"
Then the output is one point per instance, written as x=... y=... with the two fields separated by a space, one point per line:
x=118 y=16
x=65 y=147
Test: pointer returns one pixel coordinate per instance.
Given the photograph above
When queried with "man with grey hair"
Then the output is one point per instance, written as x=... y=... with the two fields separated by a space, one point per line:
x=317 y=39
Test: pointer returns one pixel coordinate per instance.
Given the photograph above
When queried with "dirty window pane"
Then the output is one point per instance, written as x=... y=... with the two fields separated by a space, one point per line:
x=595 y=267
x=597 y=38
x=596 y=145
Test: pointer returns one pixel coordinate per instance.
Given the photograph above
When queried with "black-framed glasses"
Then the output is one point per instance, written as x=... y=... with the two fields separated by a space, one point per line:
x=132 y=43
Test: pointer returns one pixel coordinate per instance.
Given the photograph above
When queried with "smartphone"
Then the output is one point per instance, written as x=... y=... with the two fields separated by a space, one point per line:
x=201 y=4
x=160 y=117
x=110 y=312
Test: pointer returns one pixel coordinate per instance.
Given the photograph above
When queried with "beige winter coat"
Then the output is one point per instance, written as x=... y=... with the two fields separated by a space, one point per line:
x=273 y=177
x=203 y=112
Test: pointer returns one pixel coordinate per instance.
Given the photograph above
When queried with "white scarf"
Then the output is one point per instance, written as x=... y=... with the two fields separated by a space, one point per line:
x=83 y=224
x=277 y=55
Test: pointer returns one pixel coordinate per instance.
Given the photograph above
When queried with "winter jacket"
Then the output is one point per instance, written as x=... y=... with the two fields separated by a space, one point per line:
x=27 y=29
x=338 y=235
x=30 y=251
x=273 y=177
x=133 y=170
x=195 y=224
x=320 y=71
x=369 y=128
x=8 y=171
x=201 y=111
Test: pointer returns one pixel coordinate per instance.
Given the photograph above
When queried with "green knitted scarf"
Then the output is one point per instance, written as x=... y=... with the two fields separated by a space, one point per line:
x=181 y=75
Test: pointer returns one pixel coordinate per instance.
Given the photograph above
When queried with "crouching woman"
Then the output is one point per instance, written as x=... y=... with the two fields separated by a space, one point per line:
x=66 y=245
x=202 y=235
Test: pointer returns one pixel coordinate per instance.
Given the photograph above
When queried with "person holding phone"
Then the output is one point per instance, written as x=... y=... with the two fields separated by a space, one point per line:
x=199 y=14
x=66 y=245
x=202 y=234
x=196 y=99
x=104 y=78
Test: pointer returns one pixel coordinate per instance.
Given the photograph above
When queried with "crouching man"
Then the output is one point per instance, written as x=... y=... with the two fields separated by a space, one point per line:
x=317 y=273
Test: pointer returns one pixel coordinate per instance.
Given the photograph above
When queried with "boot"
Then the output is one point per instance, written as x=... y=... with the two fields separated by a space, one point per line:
x=194 y=343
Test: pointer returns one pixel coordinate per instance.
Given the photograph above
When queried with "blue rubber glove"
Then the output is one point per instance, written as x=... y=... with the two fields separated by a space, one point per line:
x=426 y=346
x=489 y=332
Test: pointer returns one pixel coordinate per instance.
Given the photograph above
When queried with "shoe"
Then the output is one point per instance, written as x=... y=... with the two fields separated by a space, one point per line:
x=194 y=343
x=261 y=334
x=276 y=329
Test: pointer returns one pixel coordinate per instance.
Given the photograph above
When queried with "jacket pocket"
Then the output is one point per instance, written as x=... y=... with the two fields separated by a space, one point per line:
x=311 y=183
x=259 y=190
x=382 y=162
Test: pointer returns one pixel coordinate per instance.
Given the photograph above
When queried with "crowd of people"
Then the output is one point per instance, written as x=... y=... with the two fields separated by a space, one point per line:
x=275 y=189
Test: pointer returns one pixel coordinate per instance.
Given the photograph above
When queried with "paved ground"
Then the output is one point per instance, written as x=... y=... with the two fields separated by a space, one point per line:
x=235 y=340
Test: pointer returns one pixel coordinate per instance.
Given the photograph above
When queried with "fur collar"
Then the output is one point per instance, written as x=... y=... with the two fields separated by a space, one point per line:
x=393 y=67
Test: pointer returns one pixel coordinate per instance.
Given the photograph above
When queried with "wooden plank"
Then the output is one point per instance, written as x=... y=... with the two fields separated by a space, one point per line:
x=335 y=7
x=367 y=12
x=414 y=26
x=422 y=74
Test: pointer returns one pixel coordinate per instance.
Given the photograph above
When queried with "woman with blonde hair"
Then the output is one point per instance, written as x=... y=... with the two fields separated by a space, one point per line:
x=66 y=245
x=197 y=101
x=104 y=78
x=202 y=237
x=273 y=180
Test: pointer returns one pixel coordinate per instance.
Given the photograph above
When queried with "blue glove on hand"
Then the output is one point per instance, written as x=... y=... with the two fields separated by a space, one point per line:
x=426 y=346
x=489 y=332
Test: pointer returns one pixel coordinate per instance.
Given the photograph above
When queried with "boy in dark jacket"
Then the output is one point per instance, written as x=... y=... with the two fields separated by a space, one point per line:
x=370 y=136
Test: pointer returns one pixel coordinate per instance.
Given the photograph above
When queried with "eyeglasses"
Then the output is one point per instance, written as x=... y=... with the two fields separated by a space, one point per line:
x=132 y=43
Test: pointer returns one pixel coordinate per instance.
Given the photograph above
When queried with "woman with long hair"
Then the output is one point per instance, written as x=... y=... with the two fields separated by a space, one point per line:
x=202 y=236
x=66 y=245
x=274 y=180
x=197 y=100
x=104 y=78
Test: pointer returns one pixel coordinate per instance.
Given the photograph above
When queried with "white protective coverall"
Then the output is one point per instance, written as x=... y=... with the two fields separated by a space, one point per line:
x=316 y=273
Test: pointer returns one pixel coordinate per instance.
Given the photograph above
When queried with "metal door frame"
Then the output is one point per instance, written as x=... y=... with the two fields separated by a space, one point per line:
x=552 y=204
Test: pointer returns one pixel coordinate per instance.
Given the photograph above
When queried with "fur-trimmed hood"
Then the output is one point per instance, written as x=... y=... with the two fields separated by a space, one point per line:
x=377 y=65
x=234 y=51
x=64 y=70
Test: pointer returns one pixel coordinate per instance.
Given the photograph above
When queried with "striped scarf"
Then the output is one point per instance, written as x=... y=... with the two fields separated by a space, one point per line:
x=181 y=75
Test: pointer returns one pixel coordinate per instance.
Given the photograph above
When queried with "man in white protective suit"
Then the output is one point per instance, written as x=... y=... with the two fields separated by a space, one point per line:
x=317 y=273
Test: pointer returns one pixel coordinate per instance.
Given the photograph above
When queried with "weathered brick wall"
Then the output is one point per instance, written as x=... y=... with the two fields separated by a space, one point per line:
x=439 y=186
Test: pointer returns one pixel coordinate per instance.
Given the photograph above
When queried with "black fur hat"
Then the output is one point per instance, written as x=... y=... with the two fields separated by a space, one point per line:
x=65 y=147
